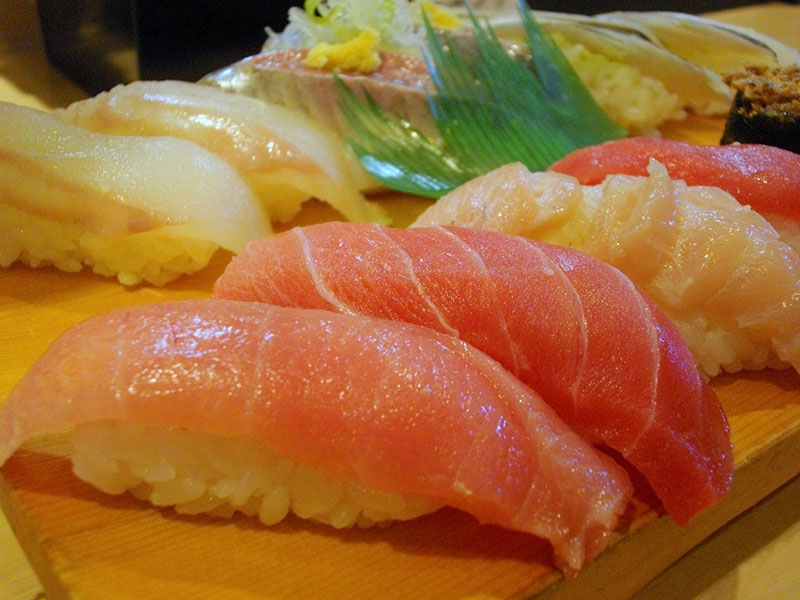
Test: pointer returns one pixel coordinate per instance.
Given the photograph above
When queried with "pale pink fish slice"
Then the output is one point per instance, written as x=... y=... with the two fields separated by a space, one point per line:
x=724 y=274
x=398 y=407
x=571 y=327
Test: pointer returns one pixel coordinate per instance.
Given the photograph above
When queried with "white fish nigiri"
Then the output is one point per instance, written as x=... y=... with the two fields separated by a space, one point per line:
x=140 y=209
x=285 y=157
x=718 y=269
x=373 y=408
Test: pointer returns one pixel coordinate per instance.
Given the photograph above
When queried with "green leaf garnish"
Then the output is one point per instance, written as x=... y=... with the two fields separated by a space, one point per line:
x=489 y=111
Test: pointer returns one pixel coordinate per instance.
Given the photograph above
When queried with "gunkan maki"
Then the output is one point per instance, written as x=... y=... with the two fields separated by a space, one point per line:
x=766 y=107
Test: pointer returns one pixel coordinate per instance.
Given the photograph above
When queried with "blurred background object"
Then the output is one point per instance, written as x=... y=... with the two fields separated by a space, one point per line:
x=588 y=7
x=100 y=43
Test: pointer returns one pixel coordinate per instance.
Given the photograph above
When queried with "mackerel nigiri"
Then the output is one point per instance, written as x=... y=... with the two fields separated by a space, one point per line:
x=574 y=329
x=337 y=416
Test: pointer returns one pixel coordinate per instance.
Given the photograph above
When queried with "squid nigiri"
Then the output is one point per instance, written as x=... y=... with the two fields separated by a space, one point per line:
x=569 y=326
x=285 y=157
x=718 y=269
x=341 y=419
x=136 y=208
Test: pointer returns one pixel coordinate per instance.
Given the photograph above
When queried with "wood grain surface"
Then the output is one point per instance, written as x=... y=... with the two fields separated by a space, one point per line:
x=88 y=545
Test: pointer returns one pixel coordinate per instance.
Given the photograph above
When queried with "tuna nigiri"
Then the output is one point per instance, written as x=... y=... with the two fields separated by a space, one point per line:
x=136 y=208
x=339 y=416
x=765 y=178
x=285 y=157
x=718 y=269
x=571 y=327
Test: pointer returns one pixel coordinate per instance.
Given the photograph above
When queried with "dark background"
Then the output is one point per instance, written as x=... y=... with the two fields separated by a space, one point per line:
x=100 y=43
x=687 y=6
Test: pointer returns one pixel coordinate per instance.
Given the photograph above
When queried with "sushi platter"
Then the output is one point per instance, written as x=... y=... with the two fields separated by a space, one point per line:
x=85 y=544
x=79 y=539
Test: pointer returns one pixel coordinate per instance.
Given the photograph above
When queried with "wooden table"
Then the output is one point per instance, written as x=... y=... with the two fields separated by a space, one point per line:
x=753 y=556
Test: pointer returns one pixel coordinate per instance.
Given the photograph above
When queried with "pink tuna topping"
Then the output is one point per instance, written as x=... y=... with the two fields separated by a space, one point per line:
x=571 y=327
x=765 y=178
x=398 y=407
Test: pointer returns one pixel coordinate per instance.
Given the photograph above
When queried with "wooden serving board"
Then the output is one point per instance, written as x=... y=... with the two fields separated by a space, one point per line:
x=88 y=545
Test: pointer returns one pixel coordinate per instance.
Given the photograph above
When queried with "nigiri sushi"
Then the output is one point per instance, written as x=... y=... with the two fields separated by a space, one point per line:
x=572 y=328
x=642 y=71
x=766 y=178
x=342 y=419
x=285 y=157
x=718 y=269
x=620 y=54
x=400 y=84
x=140 y=209
x=766 y=107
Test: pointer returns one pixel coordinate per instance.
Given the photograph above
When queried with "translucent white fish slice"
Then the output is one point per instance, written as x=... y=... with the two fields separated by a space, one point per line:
x=285 y=156
x=132 y=207
x=718 y=269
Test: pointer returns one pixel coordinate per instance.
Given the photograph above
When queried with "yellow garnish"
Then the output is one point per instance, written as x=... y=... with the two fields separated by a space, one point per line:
x=440 y=17
x=357 y=55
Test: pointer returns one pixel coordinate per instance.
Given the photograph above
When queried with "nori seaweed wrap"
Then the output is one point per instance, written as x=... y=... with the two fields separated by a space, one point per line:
x=766 y=107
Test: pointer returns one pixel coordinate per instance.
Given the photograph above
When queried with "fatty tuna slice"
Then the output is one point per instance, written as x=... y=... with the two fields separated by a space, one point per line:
x=571 y=327
x=397 y=407
x=766 y=178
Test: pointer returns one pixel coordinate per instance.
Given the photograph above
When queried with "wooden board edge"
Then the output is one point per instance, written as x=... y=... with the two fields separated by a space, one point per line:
x=640 y=557
x=31 y=544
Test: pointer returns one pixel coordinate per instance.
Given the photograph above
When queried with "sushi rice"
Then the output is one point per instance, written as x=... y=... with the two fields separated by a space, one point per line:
x=157 y=256
x=198 y=472
x=631 y=98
